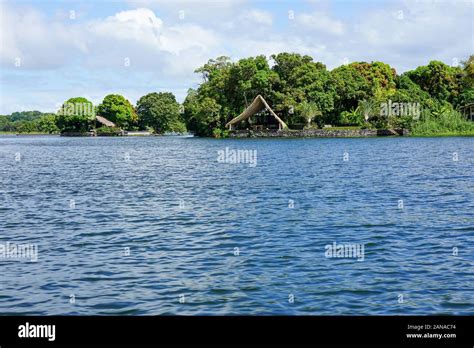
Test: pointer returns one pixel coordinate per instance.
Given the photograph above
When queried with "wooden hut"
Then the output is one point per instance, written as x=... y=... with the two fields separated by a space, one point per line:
x=256 y=107
x=105 y=122
x=102 y=121
x=468 y=111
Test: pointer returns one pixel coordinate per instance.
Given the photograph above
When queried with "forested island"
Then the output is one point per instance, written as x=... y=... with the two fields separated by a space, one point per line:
x=432 y=100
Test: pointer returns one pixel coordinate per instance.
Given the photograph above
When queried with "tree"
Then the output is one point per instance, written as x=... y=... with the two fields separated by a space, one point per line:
x=439 y=80
x=351 y=117
x=25 y=116
x=26 y=127
x=349 y=87
x=367 y=109
x=286 y=63
x=117 y=109
x=310 y=82
x=466 y=94
x=246 y=79
x=377 y=74
x=468 y=72
x=160 y=111
x=76 y=115
x=47 y=124
x=203 y=115
x=295 y=86
x=211 y=70
x=309 y=111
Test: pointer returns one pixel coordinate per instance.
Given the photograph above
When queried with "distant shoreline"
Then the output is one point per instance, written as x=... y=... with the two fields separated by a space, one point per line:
x=288 y=136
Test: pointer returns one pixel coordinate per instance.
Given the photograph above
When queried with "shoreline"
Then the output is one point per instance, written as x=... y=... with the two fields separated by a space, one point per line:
x=285 y=134
x=319 y=133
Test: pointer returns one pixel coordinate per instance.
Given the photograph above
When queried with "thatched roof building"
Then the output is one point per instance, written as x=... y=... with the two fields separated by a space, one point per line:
x=105 y=121
x=257 y=105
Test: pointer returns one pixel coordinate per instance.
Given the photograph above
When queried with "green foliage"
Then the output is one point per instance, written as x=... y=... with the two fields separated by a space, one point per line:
x=107 y=131
x=220 y=133
x=377 y=74
x=465 y=97
x=349 y=87
x=160 y=111
x=367 y=110
x=5 y=124
x=409 y=91
x=286 y=63
x=302 y=92
x=47 y=124
x=468 y=73
x=310 y=111
x=228 y=88
x=117 y=109
x=359 y=81
x=448 y=122
x=248 y=78
x=25 y=116
x=28 y=122
x=27 y=127
x=352 y=117
x=367 y=114
x=76 y=115
x=441 y=81
x=178 y=126
x=202 y=114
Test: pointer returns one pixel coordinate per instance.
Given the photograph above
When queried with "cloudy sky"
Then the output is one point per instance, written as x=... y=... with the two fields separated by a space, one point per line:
x=54 y=50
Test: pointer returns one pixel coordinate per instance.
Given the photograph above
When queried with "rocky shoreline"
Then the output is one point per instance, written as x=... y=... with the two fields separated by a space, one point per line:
x=310 y=133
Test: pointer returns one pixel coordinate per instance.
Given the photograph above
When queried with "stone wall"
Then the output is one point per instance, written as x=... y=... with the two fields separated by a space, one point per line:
x=311 y=133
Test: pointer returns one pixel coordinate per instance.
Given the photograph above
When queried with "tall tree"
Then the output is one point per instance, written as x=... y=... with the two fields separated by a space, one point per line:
x=117 y=109
x=309 y=111
x=438 y=79
x=349 y=87
x=160 y=111
x=468 y=72
x=76 y=115
x=47 y=124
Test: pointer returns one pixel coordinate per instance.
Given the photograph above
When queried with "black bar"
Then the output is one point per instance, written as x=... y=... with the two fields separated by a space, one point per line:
x=330 y=330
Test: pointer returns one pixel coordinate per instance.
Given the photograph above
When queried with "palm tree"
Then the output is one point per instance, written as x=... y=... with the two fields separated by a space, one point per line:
x=367 y=108
x=309 y=111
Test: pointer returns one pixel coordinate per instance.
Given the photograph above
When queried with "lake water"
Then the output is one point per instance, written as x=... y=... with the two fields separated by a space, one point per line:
x=159 y=225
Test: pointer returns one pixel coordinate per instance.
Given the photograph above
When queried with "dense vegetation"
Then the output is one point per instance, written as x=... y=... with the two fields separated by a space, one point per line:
x=161 y=112
x=305 y=94
x=119 y=110
x=76 y=115
x=28 y=122
x=301 y=91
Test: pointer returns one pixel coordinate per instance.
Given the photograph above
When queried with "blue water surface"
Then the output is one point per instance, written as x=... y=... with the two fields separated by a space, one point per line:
x=157 y=225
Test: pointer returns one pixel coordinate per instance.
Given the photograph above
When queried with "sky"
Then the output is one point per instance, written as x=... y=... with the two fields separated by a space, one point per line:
x=53 y=50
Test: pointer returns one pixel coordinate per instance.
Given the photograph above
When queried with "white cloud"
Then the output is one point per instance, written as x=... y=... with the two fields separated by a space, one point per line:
x=88 y=54
x=26 y=34
x=149 y=43
x=140 y=25
x=194 y=10
x=319 y=22
x=102 y=43
x=413 y=35
x=258 y=17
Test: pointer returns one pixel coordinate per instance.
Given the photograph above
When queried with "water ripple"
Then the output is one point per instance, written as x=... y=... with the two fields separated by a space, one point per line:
x=171 y=231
